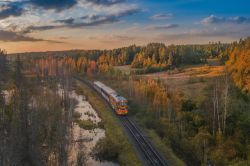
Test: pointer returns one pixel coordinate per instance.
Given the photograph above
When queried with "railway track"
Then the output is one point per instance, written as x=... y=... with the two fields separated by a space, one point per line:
x=152 y=156
x=150 y=153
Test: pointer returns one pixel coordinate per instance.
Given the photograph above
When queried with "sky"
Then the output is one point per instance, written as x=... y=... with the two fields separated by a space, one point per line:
x=50 y=25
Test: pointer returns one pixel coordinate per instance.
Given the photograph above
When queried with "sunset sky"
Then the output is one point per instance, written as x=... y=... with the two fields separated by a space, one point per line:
x=44 y=25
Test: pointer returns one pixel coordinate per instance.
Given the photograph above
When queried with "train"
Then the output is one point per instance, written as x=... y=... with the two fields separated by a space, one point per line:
x=116 y=101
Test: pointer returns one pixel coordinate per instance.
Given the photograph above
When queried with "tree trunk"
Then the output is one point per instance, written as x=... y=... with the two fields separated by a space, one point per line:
x=217 y=107
x=225 y=104
x=214 y=110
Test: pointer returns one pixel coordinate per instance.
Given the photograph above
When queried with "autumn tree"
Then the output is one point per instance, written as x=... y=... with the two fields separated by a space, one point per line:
x=238 y=65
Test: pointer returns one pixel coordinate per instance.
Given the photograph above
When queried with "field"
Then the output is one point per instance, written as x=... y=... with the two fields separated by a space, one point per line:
x=190 y=80
x=126 y=69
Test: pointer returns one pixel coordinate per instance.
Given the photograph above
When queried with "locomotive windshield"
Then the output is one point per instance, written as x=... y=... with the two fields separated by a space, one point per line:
x=123 y=103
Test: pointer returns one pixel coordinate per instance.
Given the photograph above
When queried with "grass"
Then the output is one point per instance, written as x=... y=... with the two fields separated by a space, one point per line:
x=191 y=80
x=86 y=124
x=115 y=136
x=126 y=69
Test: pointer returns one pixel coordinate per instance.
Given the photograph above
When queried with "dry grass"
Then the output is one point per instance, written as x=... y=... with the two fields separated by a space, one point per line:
x=190 y=71
x=191 y=80
x=126 y=69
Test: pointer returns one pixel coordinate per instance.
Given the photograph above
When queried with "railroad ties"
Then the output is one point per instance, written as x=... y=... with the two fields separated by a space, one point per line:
x=152 y=155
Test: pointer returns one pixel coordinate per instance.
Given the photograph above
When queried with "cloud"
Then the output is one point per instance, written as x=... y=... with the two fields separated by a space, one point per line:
x=32 y=28
x=66 y=21
x=128 y=11
x=42 y=15
x=240 y=20
x=70 y=23
x=84 y=21
x=104 y=2
x=58 y=5
x=212 y=19
x=10 y=9
x=63 y=37
x=17 y=8
x=9 y=36
x=115 y=38
x=162 y=27
x=205 y=34
x=161 y=16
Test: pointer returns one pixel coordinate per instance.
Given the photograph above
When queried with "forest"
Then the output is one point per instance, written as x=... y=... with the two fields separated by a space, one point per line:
x=35 y=119
x=152 y=57
x=215 y=131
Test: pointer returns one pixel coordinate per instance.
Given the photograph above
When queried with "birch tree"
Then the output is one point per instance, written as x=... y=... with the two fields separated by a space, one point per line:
x=225 y=103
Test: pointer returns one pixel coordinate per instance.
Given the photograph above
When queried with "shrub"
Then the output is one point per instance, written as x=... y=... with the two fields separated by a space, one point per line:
x=188 y=105
x=86 y=124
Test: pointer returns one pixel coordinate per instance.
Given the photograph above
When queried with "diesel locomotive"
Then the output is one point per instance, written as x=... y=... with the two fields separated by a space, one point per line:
x=117 y=102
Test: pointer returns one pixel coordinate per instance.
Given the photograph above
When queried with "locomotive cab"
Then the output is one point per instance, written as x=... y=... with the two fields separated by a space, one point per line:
x=119 y=103
x=122 y=107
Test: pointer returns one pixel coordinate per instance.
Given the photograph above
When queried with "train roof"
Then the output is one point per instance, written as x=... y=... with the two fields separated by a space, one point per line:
x=110 y=91
x=107 y=89
x=99 y=84
x=118 y=97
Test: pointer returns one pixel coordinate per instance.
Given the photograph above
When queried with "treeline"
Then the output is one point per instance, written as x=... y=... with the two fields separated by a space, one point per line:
x=150 y=58
x=157 y=57
x=85 y=62
x=120 y=56
x=35 y=119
